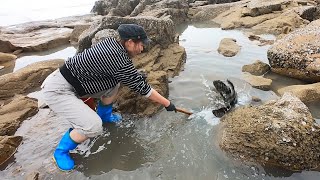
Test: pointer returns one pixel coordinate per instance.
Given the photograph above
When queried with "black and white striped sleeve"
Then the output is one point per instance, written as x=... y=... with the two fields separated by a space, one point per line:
x=129 y=76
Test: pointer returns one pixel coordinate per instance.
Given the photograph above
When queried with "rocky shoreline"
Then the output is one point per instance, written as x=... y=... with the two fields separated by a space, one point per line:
x=295 y=53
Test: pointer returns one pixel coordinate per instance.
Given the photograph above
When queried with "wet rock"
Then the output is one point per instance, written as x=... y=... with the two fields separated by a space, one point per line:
x=262 y=41
x=234 y=19
x=258 y=82
x=258 y=68
x=208 y=12
x=133 y=103
x=283 y=23
x=281 y=133
x=13 y=113
x=115 y=7
x=76 y=32
x=41 y=35
x=17 y=52
x=228 y=47
x=159 y=30
x=307 y=12
x=158 y=64
x=258 y=7
x=170 y=60
x=176 y=10
x=26 y=79
x=101 y=35
x=252 y=36
x=306 y=93
x=256 y=99
x=8 y=146
x=275 y=17
x=39 y=40
x=6 y=46
x=297 y=55
x=4 y=57
x=239 y=16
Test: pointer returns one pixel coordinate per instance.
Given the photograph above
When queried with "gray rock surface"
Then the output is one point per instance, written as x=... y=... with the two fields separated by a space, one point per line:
x=159 y=30
x=258 y=82
x=228 y=47
x=297 y=55
x=306 y=93
x=257 y=68
x=26 y=79
x=280 y=132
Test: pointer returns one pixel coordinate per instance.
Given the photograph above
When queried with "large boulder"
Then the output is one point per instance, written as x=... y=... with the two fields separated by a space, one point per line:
x=280 y=132
x=234 y=18
x=133 y=103
x=275 y=16
x=158 y=64
x=27 y=79
x=258 y=7
x=39 y=40
x=176 y=9
x=209 y=12
x=297 y=55
x=115 y=7
x=281 y=24
x=159 y=30
x=41 y=35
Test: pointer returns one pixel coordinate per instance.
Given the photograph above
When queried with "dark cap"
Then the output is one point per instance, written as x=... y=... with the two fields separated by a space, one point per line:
x=133 y=31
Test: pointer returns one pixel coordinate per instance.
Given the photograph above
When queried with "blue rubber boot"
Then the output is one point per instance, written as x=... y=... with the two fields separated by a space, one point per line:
x=106 y=115
x=61 y=154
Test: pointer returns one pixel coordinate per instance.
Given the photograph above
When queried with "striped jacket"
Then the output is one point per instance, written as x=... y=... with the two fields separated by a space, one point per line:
x=102 y=67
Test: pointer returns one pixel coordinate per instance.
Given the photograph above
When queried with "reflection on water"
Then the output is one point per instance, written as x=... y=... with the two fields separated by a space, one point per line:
x=58 y=53
x=116 y=148
x=25 y=59
x=168 y=145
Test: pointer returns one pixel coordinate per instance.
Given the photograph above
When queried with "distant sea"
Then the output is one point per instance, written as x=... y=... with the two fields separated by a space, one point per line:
x=20 y=11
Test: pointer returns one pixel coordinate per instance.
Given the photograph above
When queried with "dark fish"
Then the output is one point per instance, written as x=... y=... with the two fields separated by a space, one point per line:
x=228 y=94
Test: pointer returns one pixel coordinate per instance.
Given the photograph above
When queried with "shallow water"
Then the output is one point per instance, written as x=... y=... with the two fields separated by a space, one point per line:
x=169 y=145
x=57 y=53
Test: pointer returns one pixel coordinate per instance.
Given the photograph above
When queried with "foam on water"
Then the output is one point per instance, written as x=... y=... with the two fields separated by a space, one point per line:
x=85 y=147
x=207 y=115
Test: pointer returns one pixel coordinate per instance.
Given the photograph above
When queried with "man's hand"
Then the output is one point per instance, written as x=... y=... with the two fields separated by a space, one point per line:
x=171 y=107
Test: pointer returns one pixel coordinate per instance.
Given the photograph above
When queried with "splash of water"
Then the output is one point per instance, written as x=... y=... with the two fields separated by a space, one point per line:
x=205 y=113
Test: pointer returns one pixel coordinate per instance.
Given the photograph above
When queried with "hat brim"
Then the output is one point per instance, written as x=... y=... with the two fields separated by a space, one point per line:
x=146 y=41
